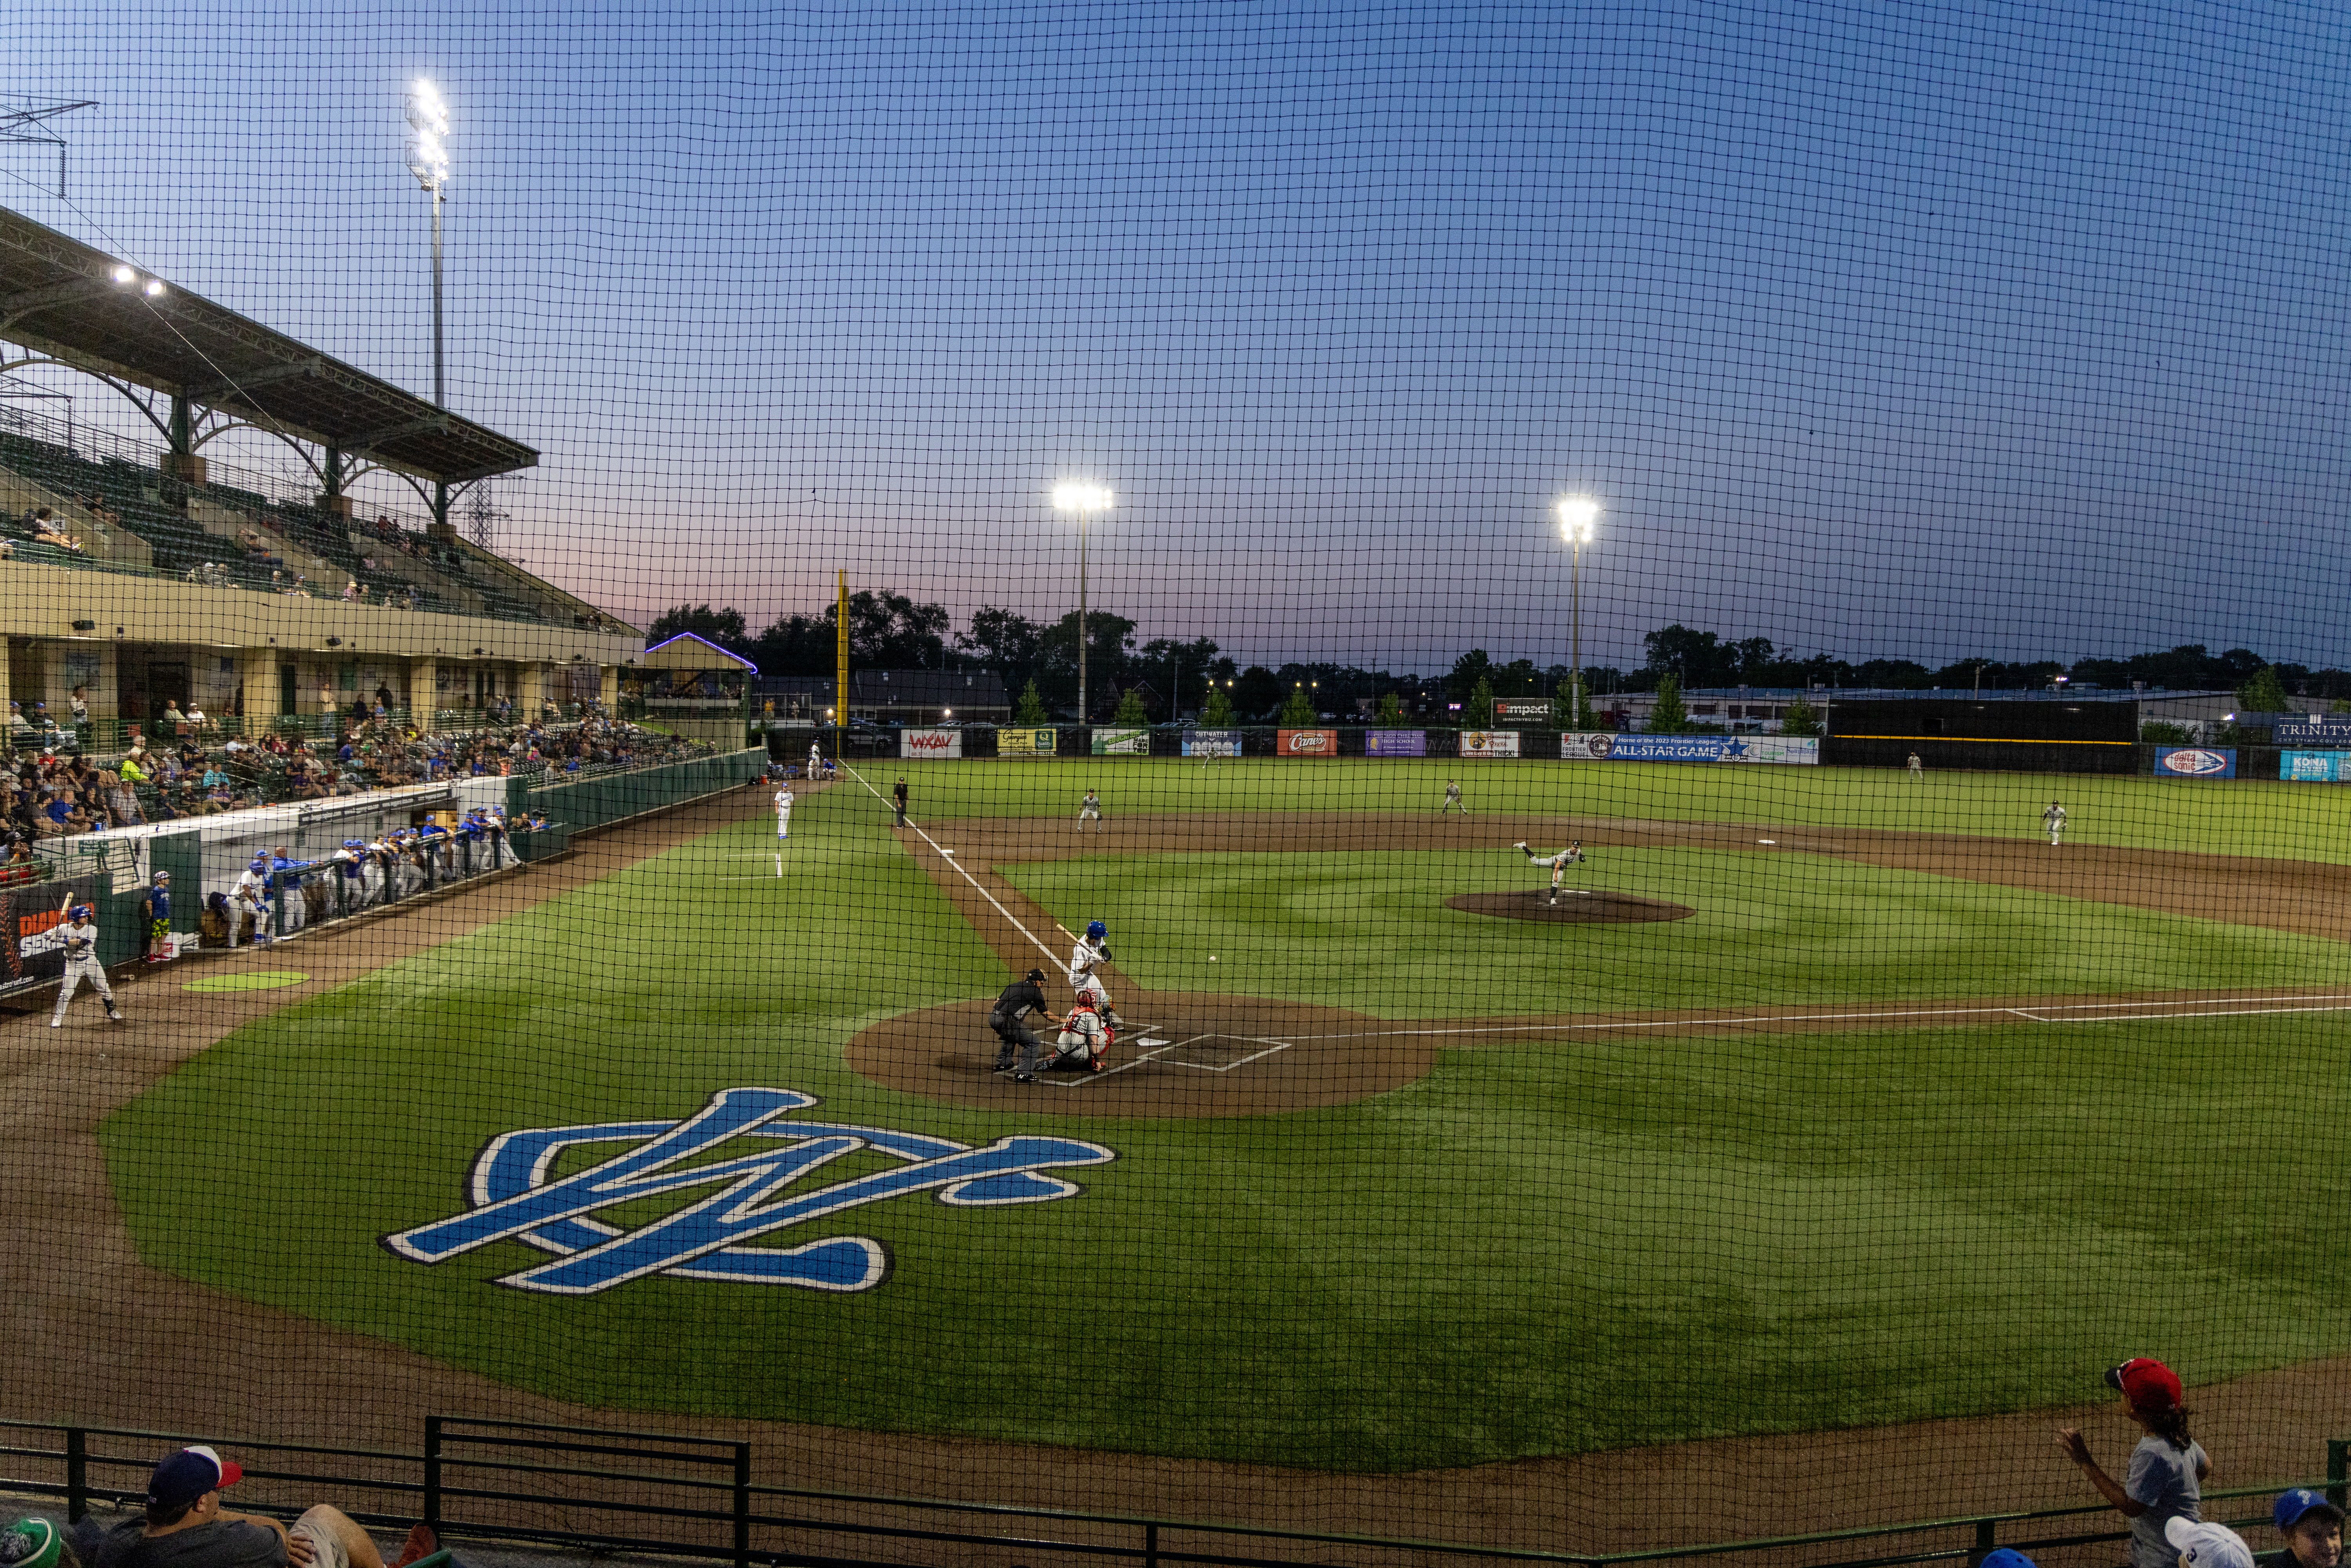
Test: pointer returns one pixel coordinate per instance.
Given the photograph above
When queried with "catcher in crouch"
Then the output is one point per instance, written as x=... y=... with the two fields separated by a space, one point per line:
x=1084 y=1041
x=1558 y=860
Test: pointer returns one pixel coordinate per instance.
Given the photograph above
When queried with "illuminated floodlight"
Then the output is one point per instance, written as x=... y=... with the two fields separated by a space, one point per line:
x=1578 y=517
x=154 y=290
x=125 y=274
x=1081 y=496
x=428 y=142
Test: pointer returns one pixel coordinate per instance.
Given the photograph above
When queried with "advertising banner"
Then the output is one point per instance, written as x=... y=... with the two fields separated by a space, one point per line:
x=1490 y=743
x=1395 y=743
x=35 y=915
x=1122 y=743
x=1593 y=746
x=2317 y=732
x=932 y=742
x=1307 y=742
x=2315 y=766
x=2195 y=762
x=1533 y=711
x=1212 y=743
x=1024 y=742
x=1675 y=747
x=1802 y=749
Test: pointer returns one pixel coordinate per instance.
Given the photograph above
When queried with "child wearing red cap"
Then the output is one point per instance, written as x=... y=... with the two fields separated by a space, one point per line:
x=2167 y=1469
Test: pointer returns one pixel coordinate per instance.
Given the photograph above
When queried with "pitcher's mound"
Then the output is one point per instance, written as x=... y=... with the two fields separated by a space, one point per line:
x=1574 y=907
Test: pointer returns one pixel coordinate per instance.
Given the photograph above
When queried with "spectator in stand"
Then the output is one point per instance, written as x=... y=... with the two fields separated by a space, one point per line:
x=2166 y=1470
x=132 y=773
x=197 y=722
x=20 y=728
x=2207 y=1545
x=186 y=1527
x=174 y=722
x=2312 y=1527
x=78 y=700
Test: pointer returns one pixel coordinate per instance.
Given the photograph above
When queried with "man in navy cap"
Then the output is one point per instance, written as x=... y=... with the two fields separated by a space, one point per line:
x=186 y=1527
x=2312 y=1527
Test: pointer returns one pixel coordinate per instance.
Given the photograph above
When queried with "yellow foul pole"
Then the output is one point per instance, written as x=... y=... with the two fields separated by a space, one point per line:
x=841 y=665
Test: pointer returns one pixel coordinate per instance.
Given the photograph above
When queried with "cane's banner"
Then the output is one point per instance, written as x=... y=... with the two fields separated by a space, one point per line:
x=1212 y=743
x=1307 y=742
x=2195 y=762
x=1490 y=743
x=1024 y=742
x=930 y=743
x=1596 y=745
x=1395 y=743
x=2315 y=766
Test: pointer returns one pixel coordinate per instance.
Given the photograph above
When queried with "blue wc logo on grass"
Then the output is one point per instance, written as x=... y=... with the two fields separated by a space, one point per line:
x=738 y=1144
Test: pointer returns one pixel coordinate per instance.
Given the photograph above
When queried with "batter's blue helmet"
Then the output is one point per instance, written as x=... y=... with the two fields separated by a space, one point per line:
x=78 y=913
x=1096 y=931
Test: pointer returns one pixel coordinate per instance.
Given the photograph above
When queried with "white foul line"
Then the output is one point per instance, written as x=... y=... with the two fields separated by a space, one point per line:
x=959 y=865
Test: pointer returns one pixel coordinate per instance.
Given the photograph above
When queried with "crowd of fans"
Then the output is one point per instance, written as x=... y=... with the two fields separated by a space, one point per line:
x=53 y=790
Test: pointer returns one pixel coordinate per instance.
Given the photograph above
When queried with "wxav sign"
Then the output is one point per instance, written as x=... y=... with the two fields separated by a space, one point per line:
x=930 y=743
x=738 y=1144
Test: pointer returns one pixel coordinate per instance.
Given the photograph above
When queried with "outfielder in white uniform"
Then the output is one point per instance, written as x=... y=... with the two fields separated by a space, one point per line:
x=1453 y=798
x=1092 y=951
x=1084 y=1040
x=251 y=896
x=81 y=964
x=1558 y=860
x=1089 y=809
x=2053 y=820
x=783 y=813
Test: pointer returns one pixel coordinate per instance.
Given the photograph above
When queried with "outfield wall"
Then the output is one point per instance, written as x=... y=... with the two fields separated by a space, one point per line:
x=588 y=803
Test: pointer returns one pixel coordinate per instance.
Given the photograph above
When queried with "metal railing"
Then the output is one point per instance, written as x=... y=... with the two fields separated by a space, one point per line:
x=602 y=1489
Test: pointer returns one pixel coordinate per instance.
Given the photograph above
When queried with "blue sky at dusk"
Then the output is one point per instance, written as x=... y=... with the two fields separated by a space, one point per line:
x=1906 y=329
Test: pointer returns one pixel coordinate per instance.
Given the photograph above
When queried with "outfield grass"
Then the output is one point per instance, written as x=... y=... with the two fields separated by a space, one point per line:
x=2292 y=821
x=1544 y=1247
x=1371 y=932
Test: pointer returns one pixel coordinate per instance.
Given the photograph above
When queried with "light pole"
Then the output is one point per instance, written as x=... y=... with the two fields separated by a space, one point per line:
x=428 y=159
x=1578 y=517
x=1084 y=497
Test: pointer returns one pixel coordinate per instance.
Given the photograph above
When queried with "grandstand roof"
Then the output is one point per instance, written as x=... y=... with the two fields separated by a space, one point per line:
x=61 y=297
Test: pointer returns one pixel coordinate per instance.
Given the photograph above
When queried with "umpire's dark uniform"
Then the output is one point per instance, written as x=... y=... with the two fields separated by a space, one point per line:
x=1021 y=997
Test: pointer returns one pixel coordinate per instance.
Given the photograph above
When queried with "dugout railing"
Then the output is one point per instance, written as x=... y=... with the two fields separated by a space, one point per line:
x=601 y=1490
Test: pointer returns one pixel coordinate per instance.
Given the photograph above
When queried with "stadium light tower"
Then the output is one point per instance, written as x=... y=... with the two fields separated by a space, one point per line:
x=1579 y=517
x=428 y=159
x=1084 y=497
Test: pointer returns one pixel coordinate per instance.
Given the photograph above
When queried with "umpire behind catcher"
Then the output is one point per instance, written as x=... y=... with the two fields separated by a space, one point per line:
x=1022 y=997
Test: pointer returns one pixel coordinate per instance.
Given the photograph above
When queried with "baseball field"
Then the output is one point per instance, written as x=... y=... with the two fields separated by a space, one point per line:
x=1882 y=1126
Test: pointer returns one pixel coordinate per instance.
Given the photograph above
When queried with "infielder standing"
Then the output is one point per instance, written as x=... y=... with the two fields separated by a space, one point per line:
x=81 y=964
x=1093 y=951
x=783 y=813
x=1453 y=798
x=1008 y=1019
x=1090 y=810
x=1558 y=860
x=1918 y=769
x=2053 y=820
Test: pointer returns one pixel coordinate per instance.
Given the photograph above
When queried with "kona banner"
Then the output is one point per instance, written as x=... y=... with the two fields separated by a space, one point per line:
x=2315 y=766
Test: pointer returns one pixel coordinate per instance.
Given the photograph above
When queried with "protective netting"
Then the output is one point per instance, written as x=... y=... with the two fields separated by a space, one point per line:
x=1676 y=647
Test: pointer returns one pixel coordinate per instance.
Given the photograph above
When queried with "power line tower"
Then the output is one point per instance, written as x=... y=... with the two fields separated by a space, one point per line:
x=26 y=120
x=482 y=516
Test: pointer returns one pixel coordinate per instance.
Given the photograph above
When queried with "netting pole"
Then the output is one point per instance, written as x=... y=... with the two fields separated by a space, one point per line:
x=2338 y=1470
x=841 y=664
x=77 y=1474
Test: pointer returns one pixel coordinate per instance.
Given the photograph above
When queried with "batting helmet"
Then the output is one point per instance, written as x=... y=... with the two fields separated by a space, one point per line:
x=161 y=877
x=1096 y=931
x=78 y=913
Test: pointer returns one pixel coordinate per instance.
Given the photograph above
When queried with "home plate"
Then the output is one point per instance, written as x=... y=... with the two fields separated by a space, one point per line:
x=1199 y=1052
